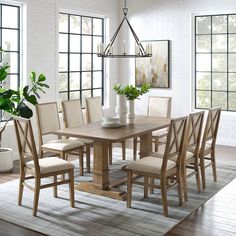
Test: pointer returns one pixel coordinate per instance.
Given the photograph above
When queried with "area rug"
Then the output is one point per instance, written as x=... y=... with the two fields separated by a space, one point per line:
x=96 y=215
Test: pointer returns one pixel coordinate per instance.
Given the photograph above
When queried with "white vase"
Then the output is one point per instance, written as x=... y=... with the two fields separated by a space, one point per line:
x=121 y=108
x=6 y=160
x=131 y=113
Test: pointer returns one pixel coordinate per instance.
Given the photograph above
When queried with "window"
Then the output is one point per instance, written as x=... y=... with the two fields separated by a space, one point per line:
x=80 y=70
x=215 y=61
x=10 y=43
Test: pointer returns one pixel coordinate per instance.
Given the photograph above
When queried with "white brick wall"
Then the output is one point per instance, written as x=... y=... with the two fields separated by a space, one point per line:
x=172 y=19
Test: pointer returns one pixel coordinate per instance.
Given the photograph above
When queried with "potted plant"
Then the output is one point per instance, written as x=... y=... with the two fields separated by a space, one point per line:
x=131 y=93
x=15 y=103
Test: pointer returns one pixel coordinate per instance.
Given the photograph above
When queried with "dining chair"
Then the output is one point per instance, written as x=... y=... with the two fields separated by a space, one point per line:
x=161 y=167
x=94 y=113
x=208 y=143
x=192 y=145
x=32 y=167
x=159 y=107
x=72 y=116
x=48 y=122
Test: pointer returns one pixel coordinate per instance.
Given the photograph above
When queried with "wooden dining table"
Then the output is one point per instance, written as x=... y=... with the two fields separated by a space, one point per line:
x=143 y=128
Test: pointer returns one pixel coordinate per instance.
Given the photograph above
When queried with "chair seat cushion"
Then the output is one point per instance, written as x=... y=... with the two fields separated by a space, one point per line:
x=149 y=165
x=174 y=158
x=83 y=140
x=207 y=147
x=50 y=164
x=160 y=133
x=63 y=144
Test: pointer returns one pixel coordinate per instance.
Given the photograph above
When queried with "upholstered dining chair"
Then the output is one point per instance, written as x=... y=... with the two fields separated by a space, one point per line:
x=94 y=113
x=159 y=107
x=72 y=116
x=207 y=150
x=48 y=122
x=32 y=167
x=163 y=166
x=191 y=157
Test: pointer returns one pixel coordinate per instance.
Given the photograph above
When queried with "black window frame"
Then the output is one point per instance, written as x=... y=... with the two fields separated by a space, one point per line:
x=211 y=34
x=81 y=53
x=18 y=29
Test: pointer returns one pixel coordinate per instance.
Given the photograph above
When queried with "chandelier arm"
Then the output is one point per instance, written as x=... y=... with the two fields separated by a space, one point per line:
x=136 y=38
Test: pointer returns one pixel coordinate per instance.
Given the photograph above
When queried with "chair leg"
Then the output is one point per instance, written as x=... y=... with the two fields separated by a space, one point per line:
x=71 y=187
x=185 y=188
x=81 y=161
x=129 y=187
x=123 y=144
x=88 y=158
x=203 y=174
x=156 y=144
x=213 y=163
x=164 y=195
x=36 y=196
x=55 y=186
x=135 y=141
x=146 y=182
x=196 y=166
x=180 y=188
x=152 y=181
x=110 y=153
x=21 y=188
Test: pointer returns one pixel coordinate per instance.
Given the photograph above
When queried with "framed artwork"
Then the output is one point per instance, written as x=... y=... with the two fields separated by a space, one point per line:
x=154 y=70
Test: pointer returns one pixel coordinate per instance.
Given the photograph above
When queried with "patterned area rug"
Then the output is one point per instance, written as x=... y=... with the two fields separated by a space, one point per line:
x=96 y=215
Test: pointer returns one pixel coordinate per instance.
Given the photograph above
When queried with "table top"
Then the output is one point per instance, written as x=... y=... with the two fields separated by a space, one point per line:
x=94 y=131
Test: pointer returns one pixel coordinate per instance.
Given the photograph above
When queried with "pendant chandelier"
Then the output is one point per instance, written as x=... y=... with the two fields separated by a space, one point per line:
x=139 y=49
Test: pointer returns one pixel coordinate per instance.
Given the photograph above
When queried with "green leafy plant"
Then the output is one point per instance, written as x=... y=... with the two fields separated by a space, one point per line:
x=131 y=92
x=15 y=102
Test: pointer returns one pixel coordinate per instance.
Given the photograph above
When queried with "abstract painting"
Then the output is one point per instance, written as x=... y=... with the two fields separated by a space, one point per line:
x=154 y=70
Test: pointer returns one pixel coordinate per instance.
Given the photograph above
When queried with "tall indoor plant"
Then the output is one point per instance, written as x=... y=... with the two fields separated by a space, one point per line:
x=15 y=103
x=131 y=93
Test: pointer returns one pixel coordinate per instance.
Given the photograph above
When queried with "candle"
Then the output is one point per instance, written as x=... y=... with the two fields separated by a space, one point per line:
x=98 y=48
x=124 y=47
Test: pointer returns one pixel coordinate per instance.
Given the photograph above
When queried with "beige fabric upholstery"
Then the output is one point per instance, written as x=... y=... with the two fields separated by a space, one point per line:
x=50 y=164
x=174 y=158
x=159 y=106
x=207 y=147
x=83 y=140
x=149 y=165
x=94 y=109
x=72 y=113
x=62 y=144
x=160 y=132
x=48 y=117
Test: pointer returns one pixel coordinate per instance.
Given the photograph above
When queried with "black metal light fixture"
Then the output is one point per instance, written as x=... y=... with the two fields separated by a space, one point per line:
x=139 y=49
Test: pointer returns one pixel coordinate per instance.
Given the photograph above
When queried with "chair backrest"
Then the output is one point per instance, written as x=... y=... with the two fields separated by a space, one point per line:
x=211 y=127
x=194 y=131
x=72 y=113
x=47 y=117
x=159 y=106
x=175 y=141
x=26 y=142
x=94 y=109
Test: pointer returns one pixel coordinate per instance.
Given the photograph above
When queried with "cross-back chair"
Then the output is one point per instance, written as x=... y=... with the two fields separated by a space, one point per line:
x=72 y=116
x=48 y=122
x=94 y=113
x=31 y=167
x=208 y=143
x=192 y=142
x=161 y=167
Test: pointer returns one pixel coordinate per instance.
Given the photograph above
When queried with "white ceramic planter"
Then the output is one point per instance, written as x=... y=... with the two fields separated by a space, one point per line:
x=131 y=113
x=6 y=159
x=121 y=108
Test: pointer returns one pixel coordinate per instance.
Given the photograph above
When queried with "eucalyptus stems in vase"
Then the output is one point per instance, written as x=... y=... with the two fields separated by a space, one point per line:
x=131 y=93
